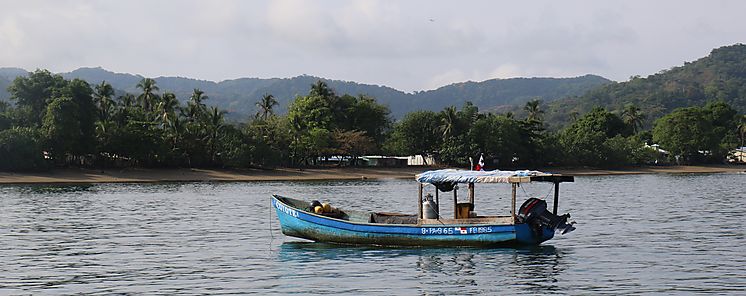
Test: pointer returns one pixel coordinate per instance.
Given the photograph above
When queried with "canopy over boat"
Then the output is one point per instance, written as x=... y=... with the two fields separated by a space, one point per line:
x=496 y=176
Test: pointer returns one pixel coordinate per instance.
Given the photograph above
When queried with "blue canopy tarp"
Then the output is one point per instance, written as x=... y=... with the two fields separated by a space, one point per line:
x=464 y=176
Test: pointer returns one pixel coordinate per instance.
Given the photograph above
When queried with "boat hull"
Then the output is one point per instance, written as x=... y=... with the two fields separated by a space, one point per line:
x=302 y=224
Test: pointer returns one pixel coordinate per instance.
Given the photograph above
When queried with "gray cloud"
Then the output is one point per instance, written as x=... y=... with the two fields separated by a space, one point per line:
x=410 y=45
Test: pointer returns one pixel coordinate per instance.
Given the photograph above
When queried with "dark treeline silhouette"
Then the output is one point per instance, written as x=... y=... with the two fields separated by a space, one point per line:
x=54 y=122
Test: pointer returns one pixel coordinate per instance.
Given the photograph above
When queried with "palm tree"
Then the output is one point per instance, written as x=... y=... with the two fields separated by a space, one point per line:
x=103 y=97
x=265 y=106
x=198 y=96
x=320 y=88
x=126 y=100
x=195 y=107
x=742 y=129
x=148 y=97
x=175 y=131
x=633 y=117
x=448 y=121
x=214 y=125
x=533 y=110
x=166 y=108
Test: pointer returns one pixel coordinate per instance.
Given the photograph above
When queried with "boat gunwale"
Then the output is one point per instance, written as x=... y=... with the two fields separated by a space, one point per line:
x=278 y=198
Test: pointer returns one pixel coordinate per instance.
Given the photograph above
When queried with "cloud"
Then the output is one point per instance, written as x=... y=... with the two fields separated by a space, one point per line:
x=410 y=45
x=11 y=35
x=509 y=71
x=300 y=22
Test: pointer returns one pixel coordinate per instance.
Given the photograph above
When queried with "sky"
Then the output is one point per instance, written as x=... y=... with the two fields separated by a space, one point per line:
x=407 y=45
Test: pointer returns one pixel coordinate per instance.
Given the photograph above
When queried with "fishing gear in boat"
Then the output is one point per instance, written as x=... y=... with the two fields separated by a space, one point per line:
x=325 y=209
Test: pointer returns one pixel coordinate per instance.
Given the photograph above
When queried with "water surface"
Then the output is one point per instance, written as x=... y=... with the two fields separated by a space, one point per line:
x=643 y=234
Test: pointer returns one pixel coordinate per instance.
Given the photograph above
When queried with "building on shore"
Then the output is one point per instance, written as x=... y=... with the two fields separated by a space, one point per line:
x=738 y=155
x=398 y=161
x=377 y=161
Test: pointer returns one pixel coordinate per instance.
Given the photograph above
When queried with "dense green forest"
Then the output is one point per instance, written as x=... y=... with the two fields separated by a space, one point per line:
x=56 y=122
x=718 y=76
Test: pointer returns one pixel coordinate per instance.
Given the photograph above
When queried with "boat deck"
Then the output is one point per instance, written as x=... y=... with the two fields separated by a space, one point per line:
x=493 y=220
x=400 y=218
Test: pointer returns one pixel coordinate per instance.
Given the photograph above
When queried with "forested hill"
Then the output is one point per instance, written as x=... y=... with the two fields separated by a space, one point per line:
x=239 y=96
x=498 y=93
x=718 y=76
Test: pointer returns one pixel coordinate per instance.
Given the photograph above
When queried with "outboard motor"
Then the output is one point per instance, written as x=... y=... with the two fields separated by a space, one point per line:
x=534 y=212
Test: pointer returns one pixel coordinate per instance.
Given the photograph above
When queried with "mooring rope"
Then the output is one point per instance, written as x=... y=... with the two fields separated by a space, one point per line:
x=271 y=235
x=545 y=196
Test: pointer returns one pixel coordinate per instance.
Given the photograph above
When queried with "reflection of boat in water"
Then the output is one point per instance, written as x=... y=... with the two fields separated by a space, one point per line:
x=531 y=225
x=425 y=271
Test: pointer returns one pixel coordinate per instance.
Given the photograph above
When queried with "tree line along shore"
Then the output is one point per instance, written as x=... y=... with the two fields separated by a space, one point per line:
x=53 y=123
x=146 y=175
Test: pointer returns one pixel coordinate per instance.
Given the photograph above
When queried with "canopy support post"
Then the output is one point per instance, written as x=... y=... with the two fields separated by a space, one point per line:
x=419 y=202
x=556 y=196
x=471 y=193
x=437 y=203
x=455 y=203
x=512 y=201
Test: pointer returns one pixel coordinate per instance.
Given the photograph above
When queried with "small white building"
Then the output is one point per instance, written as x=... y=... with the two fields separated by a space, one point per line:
x=738 y=155
x=420 y=160
x=657 y=148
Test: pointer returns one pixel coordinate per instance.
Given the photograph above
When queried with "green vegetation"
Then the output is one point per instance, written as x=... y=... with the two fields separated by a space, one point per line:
x=699 y=134
x=57 y=122
x=720 y=76
x=694 y=112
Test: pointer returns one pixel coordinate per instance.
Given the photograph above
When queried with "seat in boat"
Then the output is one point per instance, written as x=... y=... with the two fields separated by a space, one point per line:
x=392 y=218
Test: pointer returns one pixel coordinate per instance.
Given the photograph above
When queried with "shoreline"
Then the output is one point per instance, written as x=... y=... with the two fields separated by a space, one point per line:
x=140 y=175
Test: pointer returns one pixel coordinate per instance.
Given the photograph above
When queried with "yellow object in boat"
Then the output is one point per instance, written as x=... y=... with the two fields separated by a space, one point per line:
x=318 y=209
x=327 y=207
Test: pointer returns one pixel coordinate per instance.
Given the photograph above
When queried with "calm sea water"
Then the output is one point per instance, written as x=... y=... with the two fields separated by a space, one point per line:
x=645 y=234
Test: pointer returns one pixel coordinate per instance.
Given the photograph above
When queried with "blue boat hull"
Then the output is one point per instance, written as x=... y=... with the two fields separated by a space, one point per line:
x=303 y=224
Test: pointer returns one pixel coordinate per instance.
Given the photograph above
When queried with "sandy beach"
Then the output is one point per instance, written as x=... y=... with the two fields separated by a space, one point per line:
x=139 y=175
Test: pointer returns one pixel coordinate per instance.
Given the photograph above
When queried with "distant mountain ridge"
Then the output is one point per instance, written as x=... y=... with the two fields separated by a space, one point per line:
x=495 y=93
x=721 y=75
x=239 y=96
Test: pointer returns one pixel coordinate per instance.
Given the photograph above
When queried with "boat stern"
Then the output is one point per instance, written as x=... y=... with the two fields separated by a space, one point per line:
x=528 y=235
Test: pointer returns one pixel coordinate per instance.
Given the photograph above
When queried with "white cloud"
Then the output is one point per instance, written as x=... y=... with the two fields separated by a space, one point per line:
x=10 y=35
x=410 y=45
x=509 y=71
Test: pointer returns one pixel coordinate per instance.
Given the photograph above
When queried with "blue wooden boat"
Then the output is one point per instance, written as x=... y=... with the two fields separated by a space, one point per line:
x=531 y=225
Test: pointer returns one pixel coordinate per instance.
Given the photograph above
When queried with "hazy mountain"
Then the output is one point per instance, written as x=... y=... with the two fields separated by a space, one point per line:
x=6 y=77
x=496 y=93
x=239 y=96
x=4 y=83
x=719 y=76
x=12 y=73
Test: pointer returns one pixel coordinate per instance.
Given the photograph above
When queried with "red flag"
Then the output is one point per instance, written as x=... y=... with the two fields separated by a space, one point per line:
x=480 y=165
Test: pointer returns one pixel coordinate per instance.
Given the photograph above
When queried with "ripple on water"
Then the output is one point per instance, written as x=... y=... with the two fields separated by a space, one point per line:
x=657 y=234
